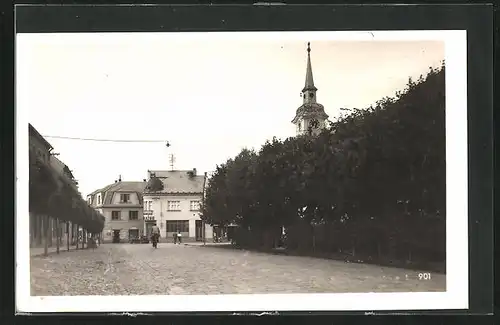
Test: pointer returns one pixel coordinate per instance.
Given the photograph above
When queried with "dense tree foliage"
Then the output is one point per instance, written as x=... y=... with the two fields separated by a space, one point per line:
x=373 y=183
x=52 y=194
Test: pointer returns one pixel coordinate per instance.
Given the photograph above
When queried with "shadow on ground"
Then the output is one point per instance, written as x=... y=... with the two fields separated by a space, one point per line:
x=431 y=267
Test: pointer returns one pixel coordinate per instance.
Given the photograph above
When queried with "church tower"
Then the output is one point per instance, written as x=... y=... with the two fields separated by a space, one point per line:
x=310 y=117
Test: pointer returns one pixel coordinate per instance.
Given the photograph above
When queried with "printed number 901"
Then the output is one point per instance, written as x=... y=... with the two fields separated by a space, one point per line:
x=424 y=276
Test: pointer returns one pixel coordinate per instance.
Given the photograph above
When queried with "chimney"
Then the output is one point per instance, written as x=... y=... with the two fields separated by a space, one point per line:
x=143 y=179
x=194 y=171
x=119 y=178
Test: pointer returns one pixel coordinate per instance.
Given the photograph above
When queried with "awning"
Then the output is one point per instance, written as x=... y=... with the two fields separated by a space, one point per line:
x=133 y=228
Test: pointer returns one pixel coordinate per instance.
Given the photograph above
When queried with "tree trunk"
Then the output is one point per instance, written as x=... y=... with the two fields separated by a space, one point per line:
x=37 y=230
x=67 y=234
x=56 y=222
x=51 y=230
x=77 y=235
x=31 y=228
x=40 y=230
x=46 y=235
x=84 y=239
x=58 y=235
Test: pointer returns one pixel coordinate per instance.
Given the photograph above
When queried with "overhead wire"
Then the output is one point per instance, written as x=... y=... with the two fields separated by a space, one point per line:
x=105 y=140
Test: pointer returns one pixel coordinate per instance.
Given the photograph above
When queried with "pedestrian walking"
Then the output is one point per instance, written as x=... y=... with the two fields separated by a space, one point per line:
x=155 y=235
x=175 y=237
x=179 y=237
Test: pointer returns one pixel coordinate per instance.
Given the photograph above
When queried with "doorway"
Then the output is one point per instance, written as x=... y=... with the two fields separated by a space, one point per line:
x=199 y=230
x=116 y=236
x=133 y=234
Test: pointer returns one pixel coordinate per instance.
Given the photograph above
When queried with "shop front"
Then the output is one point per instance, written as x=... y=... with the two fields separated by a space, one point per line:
x=133 y=233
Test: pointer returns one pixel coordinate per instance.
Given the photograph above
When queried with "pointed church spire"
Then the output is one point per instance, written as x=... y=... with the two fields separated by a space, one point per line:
x=309 y=85
x=310 y=117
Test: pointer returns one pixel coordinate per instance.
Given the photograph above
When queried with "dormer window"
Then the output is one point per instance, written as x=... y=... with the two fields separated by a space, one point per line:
x=124 y=198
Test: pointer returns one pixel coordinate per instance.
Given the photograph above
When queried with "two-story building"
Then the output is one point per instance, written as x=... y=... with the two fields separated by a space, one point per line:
x=121 y=204
x=172 y=201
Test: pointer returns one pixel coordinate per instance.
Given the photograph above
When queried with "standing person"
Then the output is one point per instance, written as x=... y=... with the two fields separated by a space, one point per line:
x=179 y=237
x=155 y=234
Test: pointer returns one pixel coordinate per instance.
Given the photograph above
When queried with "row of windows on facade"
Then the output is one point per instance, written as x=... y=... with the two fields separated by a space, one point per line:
x=117 y=215
x=171 y=206
x=177 y=225
x=174 y=205
x=172 y=226
x=124 y=198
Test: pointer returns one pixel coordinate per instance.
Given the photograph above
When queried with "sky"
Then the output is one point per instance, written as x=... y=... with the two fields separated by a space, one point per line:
x=208 y=96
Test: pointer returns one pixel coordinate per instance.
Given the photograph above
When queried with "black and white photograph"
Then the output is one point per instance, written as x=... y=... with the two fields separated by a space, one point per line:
x=241 y=170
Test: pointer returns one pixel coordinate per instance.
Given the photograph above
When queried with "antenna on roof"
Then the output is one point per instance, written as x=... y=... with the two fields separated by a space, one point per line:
x=172 y=161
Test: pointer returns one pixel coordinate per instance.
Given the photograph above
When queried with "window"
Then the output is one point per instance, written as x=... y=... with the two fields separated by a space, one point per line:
x=133 y=215
x=194 y=205
x=116 y=215
x=124 y=198
x=177 y=225
x=174 y=206
x=147 y=205
x=99 y=199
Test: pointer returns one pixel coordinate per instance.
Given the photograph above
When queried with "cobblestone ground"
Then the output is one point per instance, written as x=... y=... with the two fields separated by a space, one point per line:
x=138 y=269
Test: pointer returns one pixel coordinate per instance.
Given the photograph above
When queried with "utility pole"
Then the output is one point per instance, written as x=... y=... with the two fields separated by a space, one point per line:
x=202 y=205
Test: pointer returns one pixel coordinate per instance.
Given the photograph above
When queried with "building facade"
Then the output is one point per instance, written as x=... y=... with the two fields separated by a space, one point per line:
x=121 y=204
x=172 y=201
x=43 y=151
x=48 y=229
x=310 y=118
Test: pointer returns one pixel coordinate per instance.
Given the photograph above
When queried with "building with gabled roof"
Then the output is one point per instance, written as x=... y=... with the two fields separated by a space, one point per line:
x=121 y=203
x=172 y=201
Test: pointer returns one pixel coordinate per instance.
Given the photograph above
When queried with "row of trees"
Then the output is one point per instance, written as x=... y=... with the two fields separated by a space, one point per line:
x=372 y=184
x=52 y=194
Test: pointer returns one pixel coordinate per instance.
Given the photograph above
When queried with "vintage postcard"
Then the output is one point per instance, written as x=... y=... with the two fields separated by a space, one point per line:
x=241 y=171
